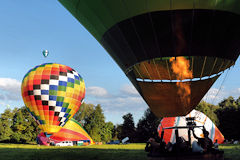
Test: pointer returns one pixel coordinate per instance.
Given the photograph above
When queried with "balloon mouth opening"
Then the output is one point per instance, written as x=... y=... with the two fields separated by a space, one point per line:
x=177 y=80
x=178 y=69
x=47 y=134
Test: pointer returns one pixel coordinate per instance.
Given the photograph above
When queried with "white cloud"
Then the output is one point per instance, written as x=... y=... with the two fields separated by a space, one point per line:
x=96 y=91
x=212 y=95
x=119 y=102
x=2 y=103
x=116 y=106
x=129 y=100
x=129 y=90
x=10 y=85
x=215 y=95
x=10 y=89
x=126 y=100
x=236 y=92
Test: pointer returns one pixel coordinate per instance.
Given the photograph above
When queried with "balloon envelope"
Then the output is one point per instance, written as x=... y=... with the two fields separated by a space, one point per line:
x=72 y=131
x=200 y=120
x=156 y=42
x=52 y=93
x=45 y=53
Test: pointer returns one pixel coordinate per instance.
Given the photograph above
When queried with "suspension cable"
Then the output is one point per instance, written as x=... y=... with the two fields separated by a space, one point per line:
x=221 y=86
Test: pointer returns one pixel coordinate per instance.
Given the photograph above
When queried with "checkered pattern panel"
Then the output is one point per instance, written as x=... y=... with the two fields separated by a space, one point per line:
x=53 y=93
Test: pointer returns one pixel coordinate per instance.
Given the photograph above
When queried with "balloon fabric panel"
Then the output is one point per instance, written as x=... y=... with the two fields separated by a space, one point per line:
x=53 y=93
x=165 y=94
x=170 y=121
x=72 y=131
x=99 y=15
x=68 y=135
x=156 y=69
x=200 y=120
x=73 y=125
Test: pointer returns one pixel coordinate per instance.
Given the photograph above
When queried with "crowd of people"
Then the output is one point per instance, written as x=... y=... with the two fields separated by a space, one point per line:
x=202 y=145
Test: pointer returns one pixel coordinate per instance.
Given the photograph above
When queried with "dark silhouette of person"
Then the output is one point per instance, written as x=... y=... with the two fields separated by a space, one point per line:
x=205 y=142
x=154 y=148
x=215 y=144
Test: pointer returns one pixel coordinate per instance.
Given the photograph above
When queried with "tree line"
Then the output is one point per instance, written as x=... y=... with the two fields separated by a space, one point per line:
x=17 y=126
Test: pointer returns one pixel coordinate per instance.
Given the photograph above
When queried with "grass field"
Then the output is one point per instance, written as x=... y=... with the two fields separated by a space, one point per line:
x=95 y=152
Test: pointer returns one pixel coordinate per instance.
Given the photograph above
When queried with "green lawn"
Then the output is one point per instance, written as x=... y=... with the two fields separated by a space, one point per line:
x=231 y=151
x=96 y=152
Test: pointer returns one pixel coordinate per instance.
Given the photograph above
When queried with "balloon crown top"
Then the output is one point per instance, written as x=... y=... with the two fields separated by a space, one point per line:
x=53 y=64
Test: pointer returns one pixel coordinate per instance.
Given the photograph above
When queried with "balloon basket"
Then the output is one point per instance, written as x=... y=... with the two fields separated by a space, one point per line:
x=183 y=149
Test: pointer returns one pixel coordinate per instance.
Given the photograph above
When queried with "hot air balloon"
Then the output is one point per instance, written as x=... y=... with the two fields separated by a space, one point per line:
x=52 y=93
x=171 y=50
x=200 y=120
x=72 y=131
x=45 y=53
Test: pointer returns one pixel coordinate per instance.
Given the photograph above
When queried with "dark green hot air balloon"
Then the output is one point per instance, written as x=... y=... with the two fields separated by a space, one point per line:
x=45 y=53
x=171 y=50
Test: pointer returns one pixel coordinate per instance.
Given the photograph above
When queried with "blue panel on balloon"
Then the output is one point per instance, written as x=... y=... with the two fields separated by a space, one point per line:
x=62 y=83
x=59 y=103
x=54 y=98
x=63 y=109
x=71 y=80
x=44 y=92
x=53 y=87
x=76 y=77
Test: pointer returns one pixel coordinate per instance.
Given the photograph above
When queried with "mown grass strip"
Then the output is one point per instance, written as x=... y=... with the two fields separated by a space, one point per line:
x=96 y=152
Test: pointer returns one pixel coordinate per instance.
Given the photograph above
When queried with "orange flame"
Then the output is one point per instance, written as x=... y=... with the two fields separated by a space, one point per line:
x=180 y=67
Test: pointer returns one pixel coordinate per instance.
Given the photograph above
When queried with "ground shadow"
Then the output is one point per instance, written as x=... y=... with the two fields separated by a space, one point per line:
x=71 y=154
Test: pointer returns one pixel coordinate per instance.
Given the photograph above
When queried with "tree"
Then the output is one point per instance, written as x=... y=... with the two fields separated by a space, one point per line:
x=24 y=128
x=147 y=126
x=228 y=102
x=238 y=101
x=208 y=110
x=84 y=111
x=95 y=123
x=107 y=131
x=17 y=126
x=128 y=128
x=229 y=118
x=5 y=125
x=116 y=133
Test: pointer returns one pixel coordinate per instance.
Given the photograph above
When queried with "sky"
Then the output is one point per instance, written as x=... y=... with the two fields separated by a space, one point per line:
x=28 y=27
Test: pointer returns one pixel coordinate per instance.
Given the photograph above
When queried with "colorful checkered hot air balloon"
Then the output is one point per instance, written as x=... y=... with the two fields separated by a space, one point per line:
x=52 y=93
